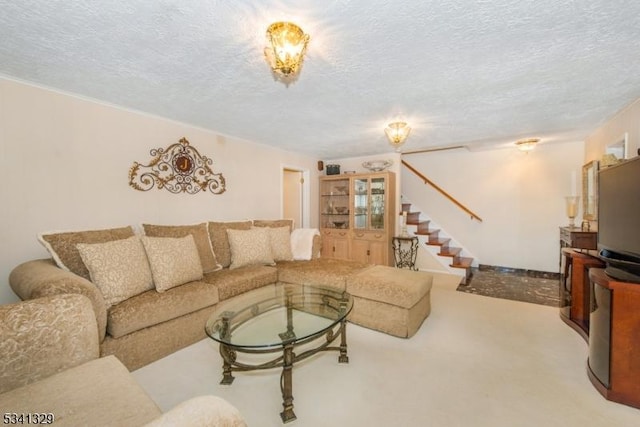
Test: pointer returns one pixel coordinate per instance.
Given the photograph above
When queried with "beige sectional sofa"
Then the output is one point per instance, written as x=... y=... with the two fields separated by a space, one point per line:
x=140 y=297
x=179 y=274
x=152 y=324
x=51 y=373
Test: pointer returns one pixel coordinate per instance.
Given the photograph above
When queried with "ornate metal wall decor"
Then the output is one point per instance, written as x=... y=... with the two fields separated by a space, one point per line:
x=179 y=168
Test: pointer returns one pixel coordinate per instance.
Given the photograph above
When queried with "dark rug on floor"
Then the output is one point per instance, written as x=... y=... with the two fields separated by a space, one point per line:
x=518 y=286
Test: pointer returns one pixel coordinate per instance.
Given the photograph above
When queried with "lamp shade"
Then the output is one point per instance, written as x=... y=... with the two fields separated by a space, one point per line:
x=527 y=144
x=287 y=44
x=397 y=132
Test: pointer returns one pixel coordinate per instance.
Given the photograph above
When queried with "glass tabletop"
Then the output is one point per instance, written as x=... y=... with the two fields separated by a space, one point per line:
x=277 y=314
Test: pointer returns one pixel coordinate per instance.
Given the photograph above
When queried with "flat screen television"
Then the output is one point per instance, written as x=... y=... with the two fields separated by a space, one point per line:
x=619 y=220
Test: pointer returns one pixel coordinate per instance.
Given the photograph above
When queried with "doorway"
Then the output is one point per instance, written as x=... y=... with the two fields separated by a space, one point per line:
x=295 y=196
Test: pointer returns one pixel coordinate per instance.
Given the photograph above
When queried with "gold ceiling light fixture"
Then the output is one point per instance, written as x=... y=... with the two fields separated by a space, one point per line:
x=527 y=145
x=397 y=132
x=287 y=44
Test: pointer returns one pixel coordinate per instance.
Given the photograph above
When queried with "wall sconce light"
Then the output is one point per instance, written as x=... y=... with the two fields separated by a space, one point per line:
x=287 y=45
x=527 y=144
x=397 y=132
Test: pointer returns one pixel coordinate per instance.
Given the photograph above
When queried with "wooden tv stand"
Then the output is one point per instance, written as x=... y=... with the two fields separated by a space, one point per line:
x=575 y=289
x=614 y=338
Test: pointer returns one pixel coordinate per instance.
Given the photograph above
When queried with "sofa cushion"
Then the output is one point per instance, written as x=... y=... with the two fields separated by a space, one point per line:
x=326 y=272
x=233 y=282
x=398 y=287
x=62 y=245
x=280 y=239
x=389 y=318
x=220 y=241
x=200 y=233
x=152 y=308
x=273 y=223
x=250 y=247
x=118 y=268
x=174 y=261
x=280 y=236
x=97 y=393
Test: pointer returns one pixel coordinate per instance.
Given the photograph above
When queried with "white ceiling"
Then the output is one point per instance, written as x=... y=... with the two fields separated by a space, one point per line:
x=480 y=73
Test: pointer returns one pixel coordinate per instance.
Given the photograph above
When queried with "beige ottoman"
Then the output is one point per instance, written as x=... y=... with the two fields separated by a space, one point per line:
x=390 y=300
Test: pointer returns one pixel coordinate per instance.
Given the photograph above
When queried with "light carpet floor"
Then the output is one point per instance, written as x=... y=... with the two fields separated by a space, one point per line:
x=476 y=361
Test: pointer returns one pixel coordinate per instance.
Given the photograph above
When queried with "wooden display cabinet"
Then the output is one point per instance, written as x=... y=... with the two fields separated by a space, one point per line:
x=335 y=244
x=357 y=217
x=371 y=248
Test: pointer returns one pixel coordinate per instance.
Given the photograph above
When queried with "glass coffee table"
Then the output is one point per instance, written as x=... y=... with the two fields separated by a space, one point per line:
x=277 y=319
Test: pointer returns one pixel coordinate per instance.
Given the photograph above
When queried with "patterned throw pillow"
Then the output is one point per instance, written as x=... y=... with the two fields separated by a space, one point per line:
x=200 y=233
x=62 y=246
x=174 y=260
x=220 y=240
x=250 y=247
x=118 y=268
x=280 y=239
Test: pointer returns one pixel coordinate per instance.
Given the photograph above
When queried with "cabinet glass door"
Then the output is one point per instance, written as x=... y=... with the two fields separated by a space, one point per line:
x=361 y=203
x=369 y=199
x=334 y=203
x=377 y=203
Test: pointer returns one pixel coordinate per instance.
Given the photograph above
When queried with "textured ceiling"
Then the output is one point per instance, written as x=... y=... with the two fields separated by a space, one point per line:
x=461 y=72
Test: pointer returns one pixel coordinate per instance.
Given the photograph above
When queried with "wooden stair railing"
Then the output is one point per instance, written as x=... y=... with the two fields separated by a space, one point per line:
x=441 y=191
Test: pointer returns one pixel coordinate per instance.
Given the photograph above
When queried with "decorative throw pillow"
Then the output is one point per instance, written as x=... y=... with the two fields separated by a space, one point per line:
x=118 y=268
x=280 y=239
x=200 y=233
x=220 y=240
x=273 y=223
x=174 y=260
x=250 y=247
x=62 y=246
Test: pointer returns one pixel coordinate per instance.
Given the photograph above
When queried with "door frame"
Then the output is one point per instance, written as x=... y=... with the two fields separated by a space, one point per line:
x=306 y=193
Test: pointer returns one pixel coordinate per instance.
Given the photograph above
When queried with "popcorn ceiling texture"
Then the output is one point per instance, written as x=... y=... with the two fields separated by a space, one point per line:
x=477 y=73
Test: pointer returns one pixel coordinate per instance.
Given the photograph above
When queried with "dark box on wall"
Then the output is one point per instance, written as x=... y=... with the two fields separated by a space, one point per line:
x=333 y=169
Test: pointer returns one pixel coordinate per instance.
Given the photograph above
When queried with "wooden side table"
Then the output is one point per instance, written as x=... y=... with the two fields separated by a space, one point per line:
x=577 y=238
x=405 y=251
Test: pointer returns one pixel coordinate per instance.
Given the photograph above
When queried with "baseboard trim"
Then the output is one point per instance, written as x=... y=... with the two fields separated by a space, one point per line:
x=520 y=271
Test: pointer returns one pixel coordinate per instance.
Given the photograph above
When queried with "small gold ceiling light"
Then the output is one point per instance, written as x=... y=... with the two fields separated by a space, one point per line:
x=397 y=132
x=287 y=45
x=527 y=144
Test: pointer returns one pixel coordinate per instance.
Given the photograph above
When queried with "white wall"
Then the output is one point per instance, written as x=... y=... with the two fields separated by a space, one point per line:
x=65 y=163
x=519 y=196
x=626 y=121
